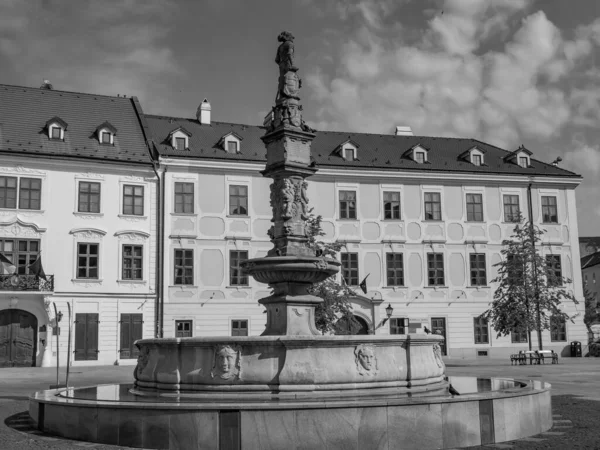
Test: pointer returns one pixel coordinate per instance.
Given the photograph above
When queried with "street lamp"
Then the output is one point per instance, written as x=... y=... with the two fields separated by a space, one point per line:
x=388 y=312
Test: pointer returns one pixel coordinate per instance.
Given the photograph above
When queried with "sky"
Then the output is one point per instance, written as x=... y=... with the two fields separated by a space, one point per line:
x=508 y=72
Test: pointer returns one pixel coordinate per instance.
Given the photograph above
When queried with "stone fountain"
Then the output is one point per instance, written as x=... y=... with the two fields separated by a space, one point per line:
x=291 y=387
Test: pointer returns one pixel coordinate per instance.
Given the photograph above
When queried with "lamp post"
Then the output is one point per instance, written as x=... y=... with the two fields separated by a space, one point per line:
x=388 y=312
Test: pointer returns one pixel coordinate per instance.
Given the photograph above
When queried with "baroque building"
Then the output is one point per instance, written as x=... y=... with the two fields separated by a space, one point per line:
x=422 y=218
x=78 y=194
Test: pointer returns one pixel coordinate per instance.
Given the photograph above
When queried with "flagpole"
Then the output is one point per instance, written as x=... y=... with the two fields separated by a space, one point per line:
x=57 y=336
x=68 y=346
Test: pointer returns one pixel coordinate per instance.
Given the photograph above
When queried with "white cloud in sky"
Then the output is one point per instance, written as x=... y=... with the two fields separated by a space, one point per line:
x=450 y=82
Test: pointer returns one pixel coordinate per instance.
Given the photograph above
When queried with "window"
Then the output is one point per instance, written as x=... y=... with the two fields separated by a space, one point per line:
x=238 y=200
x=347 y=205
x=133 y=200
x=132 y=262
x=184 y=198
x=236 y=276
x=420 y=157
x=524 y=161
x=558 y=329
x=554 y=268
x=30 y=192
x=395 y=269
x=21 y=252
x=398 y=325
x=518 y=336
x=549 y=211
x=474 y=208
x=476 y=160
x=183 y=328
x=391 y=205
x=184 y=267
x=478 y=273
x=55 y=132
x=511 y=208
x=433 y=206
x=87 y=260
x=105 y=137
x=480 y=327
x=349 y=154
x=435 y=269
x=232 y=146
x=8 y=192
x=180 y=143
x=239 y=328
x=89 y=197
x=350 y=268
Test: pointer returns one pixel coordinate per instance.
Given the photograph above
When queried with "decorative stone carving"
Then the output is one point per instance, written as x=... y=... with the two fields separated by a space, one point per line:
x=437 y=352
x=227 y=362
x=142 y=361
x=20 y=169
x=365 y=359
x=18 y=230
x=90 y=175
x=321 y=264
x=132 y=236
x=88 y=234
x=289 y=199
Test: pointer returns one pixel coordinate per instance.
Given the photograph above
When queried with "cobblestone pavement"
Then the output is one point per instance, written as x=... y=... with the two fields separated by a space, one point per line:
x=575 y=401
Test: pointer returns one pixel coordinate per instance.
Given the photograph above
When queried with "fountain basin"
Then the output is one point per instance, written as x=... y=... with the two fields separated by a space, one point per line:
x=291 y=269
x=274 y=365
x=487 y=411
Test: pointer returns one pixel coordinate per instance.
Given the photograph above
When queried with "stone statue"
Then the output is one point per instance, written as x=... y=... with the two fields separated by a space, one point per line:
x=289 y=83
x=365 y=359
x=227 y=362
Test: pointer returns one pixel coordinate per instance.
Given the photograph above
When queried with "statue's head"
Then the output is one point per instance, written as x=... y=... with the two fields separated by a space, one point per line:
x=226 y=363
x=285 y=36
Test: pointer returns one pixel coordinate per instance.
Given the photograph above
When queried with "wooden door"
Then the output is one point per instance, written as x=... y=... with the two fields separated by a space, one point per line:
x=131 y=331
x=86 y=337
x=438 y=326
x=18 y=338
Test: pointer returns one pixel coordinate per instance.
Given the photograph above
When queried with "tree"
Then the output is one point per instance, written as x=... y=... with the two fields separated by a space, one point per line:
x=591 y=316
x=336 y=304
x=530 y=288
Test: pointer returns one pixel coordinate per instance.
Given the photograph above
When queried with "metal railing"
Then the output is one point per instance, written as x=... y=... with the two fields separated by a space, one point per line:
x=26 y=283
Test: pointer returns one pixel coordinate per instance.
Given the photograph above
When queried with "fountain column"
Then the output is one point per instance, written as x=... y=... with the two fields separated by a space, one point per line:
x=291 y=266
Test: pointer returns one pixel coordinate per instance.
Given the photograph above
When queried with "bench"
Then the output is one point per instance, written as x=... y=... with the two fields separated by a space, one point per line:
x=535 y=357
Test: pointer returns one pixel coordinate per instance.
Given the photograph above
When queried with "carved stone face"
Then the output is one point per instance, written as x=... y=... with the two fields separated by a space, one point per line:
x=366 y=357
x=225 y=361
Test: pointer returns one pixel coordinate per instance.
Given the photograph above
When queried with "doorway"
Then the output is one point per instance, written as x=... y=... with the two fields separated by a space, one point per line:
x=18 y=338
x=438 y=326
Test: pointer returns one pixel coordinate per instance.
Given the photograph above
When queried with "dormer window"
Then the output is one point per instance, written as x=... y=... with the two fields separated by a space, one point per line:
x=55 y=132
x=232 y=146
x=180 y=143
x=520 y=157
x=348 y=150
x=474 y=155
x=231 y=143
x=180 y=139
x=106 y=134
x=476 y=160
x=56 y=128
x=417 y=153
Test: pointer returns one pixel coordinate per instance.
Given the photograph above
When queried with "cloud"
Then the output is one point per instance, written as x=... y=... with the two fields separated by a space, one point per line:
x=117 y=43
x=584 y=159
x=453 y=79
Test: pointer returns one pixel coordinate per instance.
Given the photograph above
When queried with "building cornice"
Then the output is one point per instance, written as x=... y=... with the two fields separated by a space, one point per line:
x=327 y=172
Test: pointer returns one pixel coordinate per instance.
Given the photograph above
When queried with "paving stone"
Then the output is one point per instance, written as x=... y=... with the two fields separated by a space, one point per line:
x=552 y=433
x=532 y=439
x=563 y=421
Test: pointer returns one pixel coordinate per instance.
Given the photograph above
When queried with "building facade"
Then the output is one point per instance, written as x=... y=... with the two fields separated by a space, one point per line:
x=78 y=194
x=422 y=218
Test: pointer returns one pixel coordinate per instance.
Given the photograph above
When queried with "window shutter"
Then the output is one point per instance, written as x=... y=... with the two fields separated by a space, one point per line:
x=125 y=351
x=136 y=333
x=92 y=336
x=80 y=352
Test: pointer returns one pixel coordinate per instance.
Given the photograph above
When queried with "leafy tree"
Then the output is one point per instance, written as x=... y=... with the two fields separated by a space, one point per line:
x=529 y=292
x=336 y=308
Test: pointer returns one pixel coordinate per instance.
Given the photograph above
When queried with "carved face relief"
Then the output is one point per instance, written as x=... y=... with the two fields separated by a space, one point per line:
x=366 y=361
x=227 y=362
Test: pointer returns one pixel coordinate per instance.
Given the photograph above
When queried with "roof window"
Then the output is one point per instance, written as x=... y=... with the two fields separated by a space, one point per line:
x=180 y=139
x=231 y=143
x=348 y=150
x=106 y=134
x=56 y=128
x=417 y=153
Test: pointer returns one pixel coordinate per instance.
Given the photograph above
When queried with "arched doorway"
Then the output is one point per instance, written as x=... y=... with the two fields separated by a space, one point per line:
x=18 y=338
x=343 y=326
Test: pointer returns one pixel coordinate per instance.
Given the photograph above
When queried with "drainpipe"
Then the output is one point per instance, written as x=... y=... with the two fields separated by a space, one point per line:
x=537 y=302
x=160 y=201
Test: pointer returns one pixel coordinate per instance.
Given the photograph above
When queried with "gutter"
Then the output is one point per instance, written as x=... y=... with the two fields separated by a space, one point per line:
x=160 y=199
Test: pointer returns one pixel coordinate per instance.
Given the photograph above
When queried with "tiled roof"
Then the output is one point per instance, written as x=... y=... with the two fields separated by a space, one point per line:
x=25 y=111
x=590 y=260
x=375 y=151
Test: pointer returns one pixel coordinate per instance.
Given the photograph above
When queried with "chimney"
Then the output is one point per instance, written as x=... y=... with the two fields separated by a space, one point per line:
x=203 y=113
x=404 y=131
x=46 y=85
